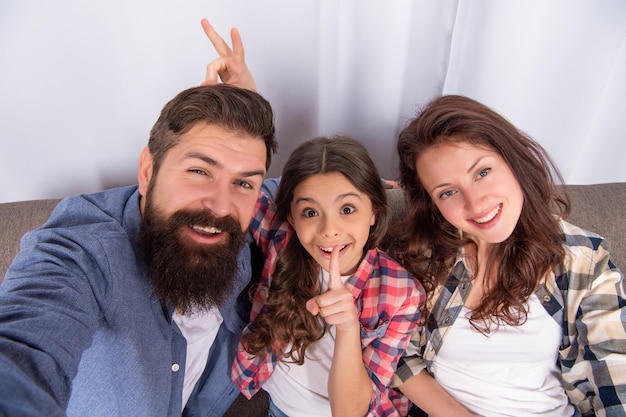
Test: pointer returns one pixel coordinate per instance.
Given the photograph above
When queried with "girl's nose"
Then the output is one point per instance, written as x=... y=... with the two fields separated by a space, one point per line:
x=329 y=227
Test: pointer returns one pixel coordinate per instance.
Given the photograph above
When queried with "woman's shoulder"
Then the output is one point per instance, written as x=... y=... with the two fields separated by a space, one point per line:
x=584 y=251
x=577 y=238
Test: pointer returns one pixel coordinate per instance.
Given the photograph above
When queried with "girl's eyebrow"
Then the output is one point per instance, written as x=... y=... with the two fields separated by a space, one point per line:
x=339 y=197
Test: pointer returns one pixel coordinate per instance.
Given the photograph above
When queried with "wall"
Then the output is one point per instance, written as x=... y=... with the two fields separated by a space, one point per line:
x=81 y=83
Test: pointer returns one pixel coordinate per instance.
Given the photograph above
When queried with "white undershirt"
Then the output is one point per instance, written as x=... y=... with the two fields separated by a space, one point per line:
x=200 y=331
x=511 y=372
x=302 y=390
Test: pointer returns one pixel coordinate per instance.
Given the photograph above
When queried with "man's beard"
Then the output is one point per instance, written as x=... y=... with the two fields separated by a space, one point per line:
x=192 y=276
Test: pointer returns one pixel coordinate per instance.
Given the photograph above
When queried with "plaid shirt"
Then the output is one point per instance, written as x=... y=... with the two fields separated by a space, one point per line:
x=585 y=296
x=388 y=299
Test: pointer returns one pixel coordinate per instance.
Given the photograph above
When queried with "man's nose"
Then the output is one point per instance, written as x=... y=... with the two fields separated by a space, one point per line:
x=218 y=199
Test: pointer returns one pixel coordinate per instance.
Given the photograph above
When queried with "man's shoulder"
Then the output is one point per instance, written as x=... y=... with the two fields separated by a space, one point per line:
x=101 y=207
x=82 y=218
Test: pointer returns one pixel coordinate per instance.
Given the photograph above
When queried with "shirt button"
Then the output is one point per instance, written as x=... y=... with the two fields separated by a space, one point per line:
x=175 y=367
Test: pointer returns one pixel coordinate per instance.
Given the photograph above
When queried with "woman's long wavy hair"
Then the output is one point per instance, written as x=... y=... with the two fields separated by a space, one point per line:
x=285 y=320
x=427 y=244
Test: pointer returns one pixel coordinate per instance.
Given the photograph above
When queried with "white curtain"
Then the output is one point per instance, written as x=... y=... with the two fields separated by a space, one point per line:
x=81 y=83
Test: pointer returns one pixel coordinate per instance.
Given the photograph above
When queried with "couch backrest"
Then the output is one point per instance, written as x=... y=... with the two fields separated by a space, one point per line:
x=598 y=208
x=16 y=219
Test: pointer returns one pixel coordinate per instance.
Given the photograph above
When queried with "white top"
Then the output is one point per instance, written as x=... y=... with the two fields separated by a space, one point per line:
x=302 y=390
x=511 y=372
x=200 y=331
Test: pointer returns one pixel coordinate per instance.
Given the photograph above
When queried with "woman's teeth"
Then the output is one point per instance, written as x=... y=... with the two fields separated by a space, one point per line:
x=489 y=216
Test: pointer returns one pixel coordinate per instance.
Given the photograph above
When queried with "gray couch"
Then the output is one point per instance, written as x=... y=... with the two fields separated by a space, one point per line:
x=599 y=208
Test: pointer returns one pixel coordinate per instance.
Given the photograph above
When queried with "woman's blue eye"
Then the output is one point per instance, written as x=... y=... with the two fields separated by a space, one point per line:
x=484 y=172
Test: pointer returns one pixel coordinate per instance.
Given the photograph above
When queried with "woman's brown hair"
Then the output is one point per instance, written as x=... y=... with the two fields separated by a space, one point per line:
x=427 y=244
x=285 y=320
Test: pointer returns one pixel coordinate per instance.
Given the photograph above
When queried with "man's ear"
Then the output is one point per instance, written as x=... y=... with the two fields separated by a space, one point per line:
x=145 y=170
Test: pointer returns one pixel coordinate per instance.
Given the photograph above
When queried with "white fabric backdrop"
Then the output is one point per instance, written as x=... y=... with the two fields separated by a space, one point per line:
x=81 y=83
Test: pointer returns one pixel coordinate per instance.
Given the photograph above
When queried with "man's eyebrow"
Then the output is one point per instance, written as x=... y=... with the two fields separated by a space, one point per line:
x=210 y=161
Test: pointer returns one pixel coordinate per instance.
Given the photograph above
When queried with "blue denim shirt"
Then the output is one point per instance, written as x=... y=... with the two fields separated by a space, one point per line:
x=81 y=330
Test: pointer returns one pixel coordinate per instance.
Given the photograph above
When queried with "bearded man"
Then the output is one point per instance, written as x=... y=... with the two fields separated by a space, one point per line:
x=126 y=302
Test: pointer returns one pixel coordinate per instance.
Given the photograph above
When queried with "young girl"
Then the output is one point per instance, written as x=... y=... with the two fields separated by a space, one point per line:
x=332 y=314
x=526 y=311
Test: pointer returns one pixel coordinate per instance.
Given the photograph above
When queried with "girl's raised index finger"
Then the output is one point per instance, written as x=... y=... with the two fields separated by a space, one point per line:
x=333 y=269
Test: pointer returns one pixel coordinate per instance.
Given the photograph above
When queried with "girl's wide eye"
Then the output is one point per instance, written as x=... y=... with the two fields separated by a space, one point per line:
x=347 y=210
x=309 y=213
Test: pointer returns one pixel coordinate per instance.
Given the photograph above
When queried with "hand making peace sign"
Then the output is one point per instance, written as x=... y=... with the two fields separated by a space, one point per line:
x=230 y=66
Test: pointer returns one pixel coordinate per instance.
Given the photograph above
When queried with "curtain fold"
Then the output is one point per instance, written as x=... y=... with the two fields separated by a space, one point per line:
x=81 y=84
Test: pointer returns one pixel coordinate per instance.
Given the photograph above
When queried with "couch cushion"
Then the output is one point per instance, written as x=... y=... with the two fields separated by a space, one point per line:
x=599 y=208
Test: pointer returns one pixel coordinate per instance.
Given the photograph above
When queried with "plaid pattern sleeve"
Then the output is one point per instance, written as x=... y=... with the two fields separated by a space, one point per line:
x=593 y=350
x=447 y=301
x=271 y=235
x=389 y=300
x=250 y=372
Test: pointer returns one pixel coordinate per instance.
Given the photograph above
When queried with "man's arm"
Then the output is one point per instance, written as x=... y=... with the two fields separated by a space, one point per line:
x=46 y=321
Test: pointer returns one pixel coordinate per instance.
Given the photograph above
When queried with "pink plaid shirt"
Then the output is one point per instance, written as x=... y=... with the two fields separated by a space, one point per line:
x=388 y=298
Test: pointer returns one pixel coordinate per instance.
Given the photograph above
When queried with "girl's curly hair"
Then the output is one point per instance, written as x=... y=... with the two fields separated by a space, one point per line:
x=284 y=321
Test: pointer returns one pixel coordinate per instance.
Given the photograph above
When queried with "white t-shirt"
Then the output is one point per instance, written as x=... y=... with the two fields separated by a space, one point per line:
x=200 y=331
x=512 y=371
x=302 y=390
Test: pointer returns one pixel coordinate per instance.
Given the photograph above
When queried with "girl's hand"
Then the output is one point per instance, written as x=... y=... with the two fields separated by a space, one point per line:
x=336 y=305
x=230 y=66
